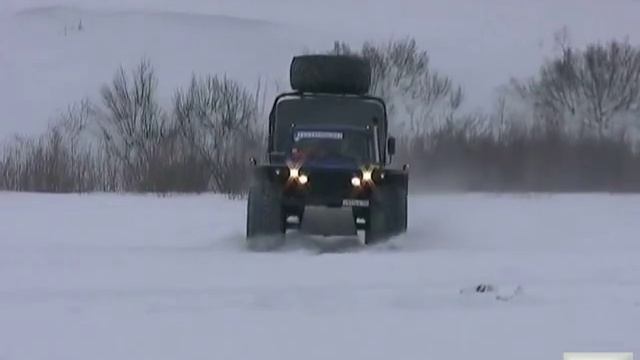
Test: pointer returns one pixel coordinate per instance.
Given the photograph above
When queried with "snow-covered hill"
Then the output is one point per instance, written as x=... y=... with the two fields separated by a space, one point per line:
x=45 y=63
x=52 y=63
x=139 y=277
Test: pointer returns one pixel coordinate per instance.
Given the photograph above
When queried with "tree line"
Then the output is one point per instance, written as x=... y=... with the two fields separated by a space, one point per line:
x=571 y=127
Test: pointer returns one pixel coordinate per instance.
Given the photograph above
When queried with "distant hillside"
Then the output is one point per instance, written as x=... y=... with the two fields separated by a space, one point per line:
x=46 y=62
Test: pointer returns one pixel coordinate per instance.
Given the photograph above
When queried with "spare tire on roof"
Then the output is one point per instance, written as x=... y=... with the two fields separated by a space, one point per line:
x=339 y=74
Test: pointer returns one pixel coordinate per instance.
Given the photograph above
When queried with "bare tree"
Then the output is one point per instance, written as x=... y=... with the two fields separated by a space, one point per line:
x=60 y=160
x=589 y=88
x=135 y=131
x=216 y=118
x=416 y=95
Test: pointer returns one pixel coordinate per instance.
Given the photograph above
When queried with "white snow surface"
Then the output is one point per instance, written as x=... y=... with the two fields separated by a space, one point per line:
x=146 y=277
x=480 y=43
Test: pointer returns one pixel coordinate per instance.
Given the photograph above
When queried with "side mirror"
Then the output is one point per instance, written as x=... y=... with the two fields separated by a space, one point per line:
x=391 y=145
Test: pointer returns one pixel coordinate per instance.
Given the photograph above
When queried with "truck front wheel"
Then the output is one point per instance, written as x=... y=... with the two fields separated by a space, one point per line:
x=265 y=217
x=387 y=215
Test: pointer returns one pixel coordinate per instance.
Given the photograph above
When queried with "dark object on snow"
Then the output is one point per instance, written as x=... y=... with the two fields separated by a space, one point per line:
x=483 y=288
x=333 y=74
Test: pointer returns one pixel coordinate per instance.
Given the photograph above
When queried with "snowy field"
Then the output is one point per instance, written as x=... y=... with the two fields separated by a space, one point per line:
x=145 y=277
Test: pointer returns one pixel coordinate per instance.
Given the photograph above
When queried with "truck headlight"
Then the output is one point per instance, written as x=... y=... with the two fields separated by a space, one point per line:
x=355 y=181
x=367 y=175
x=303 y=179
x=296 y=175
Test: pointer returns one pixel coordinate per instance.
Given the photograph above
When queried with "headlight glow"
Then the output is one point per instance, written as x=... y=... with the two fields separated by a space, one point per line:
x=367 y=175
x=355 y=181
x=303 y=179
x=294 y=173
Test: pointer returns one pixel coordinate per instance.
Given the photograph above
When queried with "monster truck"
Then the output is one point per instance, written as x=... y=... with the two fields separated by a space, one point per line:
x=328 y=146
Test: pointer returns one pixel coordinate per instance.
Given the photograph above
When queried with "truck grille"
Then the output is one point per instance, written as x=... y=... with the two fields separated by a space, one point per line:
x=329 y=183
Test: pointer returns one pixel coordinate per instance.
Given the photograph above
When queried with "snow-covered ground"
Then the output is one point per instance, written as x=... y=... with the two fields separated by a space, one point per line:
x=144 y=277
x=46 y=64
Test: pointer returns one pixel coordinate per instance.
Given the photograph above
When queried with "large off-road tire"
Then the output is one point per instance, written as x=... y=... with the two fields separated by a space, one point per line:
x=375 y=228
x=399 y=204
x=265 y=219
x=387 y=214
x=339 y=74
x=379 y=218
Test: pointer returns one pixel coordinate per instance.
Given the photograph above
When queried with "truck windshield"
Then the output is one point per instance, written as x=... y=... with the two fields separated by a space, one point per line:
x=355 y=146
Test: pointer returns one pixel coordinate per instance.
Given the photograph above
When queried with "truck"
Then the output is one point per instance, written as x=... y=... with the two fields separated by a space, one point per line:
x=329 y=146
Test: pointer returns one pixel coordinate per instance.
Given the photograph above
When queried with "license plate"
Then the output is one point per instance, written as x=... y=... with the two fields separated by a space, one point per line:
x=355 y=202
